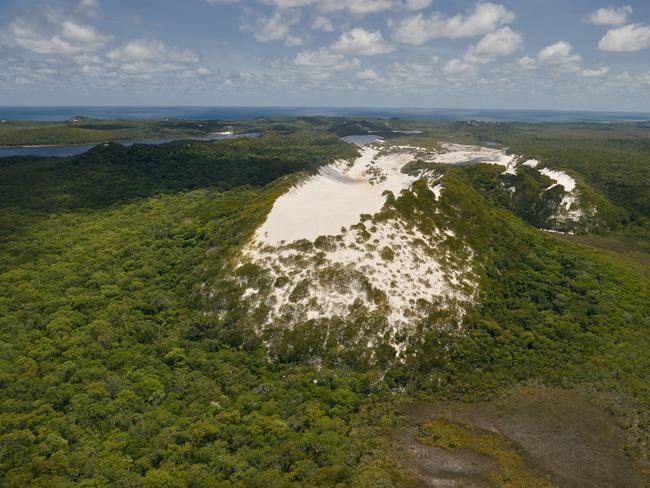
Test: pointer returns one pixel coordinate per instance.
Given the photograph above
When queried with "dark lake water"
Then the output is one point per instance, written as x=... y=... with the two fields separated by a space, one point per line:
x=243 y=113
x=47 y=151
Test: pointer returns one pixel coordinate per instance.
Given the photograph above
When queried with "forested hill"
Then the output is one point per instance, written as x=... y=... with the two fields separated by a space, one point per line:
x=111 y=173
x=129 y=358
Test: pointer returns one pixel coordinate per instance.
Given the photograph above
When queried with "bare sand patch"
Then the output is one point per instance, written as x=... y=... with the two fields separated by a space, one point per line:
x=337 y=196
x=560 y=178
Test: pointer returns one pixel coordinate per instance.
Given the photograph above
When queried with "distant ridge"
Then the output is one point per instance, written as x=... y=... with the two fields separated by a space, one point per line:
x=238 y=113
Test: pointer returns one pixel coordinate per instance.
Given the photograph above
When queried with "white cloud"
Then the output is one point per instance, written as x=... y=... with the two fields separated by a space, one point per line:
x=408 y=76
x=314 y=69
x=610 y=16
x=324 y=59
x=71 y=38
x=361 y=42
x=277 y=27
x=527 y=63
x=77 y=56
x=293 y=41
x=633 y=37
x=629 y=81
x=83 y=35
x=359 y=7
x=26 y=37
x=502 y=42
x=402 y=75
x=322 y=23
x=560 y=56
x=152 y=50
x=457 y=68
x=356 y=7
x=594 y=72
x=290 y=3
x=486 y=17
x=367 y=75
x=417 y=4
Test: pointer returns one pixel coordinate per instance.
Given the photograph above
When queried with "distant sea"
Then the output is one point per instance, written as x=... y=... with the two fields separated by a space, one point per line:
x=243 y=113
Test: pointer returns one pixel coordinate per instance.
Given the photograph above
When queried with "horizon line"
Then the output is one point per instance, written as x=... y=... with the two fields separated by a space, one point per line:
x=362 y=107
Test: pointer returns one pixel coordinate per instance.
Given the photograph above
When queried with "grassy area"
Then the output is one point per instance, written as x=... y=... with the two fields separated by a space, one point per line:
x=512 y=473
x=564 y=436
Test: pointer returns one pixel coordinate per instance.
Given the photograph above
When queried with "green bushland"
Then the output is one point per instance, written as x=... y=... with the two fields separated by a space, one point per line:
x=546 y=312
x=85 y=130
x=613 y=158
x=116 y=372
x=113 y=375
x=111 y=173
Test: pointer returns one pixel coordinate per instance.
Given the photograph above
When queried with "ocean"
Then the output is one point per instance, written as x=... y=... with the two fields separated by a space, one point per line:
x=243 y=113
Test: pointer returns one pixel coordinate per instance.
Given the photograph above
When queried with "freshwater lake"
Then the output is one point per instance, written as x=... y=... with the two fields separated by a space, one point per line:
x=362 y=139
x=49 y=151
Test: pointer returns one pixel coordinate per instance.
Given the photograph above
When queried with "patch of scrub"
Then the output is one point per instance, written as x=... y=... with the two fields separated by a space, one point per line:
x=570 y=438
x=511 y=471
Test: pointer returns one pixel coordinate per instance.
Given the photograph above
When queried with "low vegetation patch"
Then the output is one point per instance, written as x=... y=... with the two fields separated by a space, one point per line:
x=512 y=473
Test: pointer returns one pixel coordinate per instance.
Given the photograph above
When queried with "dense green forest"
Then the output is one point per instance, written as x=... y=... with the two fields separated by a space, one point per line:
x=80 y=130
x=114 y=372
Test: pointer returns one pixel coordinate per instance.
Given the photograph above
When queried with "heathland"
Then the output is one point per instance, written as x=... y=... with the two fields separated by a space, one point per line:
x=160 y=327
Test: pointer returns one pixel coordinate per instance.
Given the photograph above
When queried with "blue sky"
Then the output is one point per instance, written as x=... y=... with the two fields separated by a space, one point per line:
x=567 y=54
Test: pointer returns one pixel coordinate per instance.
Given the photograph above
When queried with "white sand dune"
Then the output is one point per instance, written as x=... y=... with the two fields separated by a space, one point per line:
x=531 y=163
x=336 y=197
x=560 y=178
x=466 y=154
x=340 y=193
x=410 y=275
x=390 y=267
x=394 y=258
x=571 y=211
